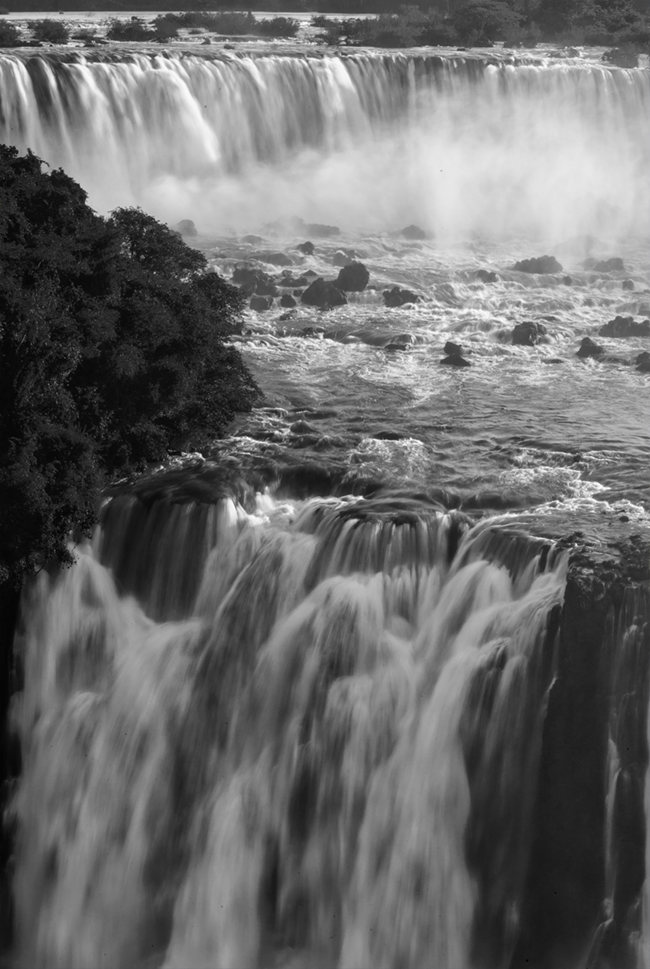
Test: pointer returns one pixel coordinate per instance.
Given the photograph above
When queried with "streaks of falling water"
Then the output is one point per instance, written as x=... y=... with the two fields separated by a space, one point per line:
x=371 y=141
x=339 y=739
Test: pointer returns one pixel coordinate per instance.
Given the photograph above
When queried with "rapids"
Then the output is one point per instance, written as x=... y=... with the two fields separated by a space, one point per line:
x=347 y=690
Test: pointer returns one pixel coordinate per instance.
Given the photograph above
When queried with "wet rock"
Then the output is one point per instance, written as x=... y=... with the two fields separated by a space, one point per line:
x=643 y=362
x=486 y=276
x=413 y=232
x=254 y=281
x=568 y=281
x=322 y=293
x=625 y=326
x=252 y=240
x=343 y=257
x=290 y=281
x=395 y=345
x=621 y=58
x=353 y=278
x=287 y=301
x=261 y=303
x=291 y=315
x=589 y=349
x=276 y=258
x=186 y=228
x=388 y=436
x=206 y=40
x=396 y=297
x=313 y=330
x=302 y=427
x=455 y=360
x=451 y=348
x=307 y=247
x=540 y=265
x=528 y=334
x=613 y=265
x=628 y=284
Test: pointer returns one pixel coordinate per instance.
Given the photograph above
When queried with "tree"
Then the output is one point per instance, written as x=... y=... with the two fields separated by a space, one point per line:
x=480 y=22
x=114 y=349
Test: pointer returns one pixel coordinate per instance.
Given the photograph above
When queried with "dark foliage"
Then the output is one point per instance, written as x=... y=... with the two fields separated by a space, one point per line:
x=231 y=22
x=9 y=35
x=50 y=30
x=114 y=349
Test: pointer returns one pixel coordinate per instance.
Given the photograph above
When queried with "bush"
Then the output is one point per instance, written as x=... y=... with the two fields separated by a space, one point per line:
x=478 y=23
x=87 y=35
x=277 y=27
x=164 y=28
x=128 y=30
x=113 y=349
x=9 y=35
x=52 y=31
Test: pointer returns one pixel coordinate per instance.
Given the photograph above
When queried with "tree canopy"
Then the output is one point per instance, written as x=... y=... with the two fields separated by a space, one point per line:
x=113 y=350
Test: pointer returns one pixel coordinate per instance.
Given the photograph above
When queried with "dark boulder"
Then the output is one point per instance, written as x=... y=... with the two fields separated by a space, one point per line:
x=322 y=293
x=541 y=265
x=628 y=284
x=451 y=348
x=568 y=281
x=613 y=265
x=307 y=247
x=625 y=326
x=589 y=349
x=413 y=232
x=254 y=281
x=353 y=278
x=643 y=362
x=455 y=360
x=397 y=297
x=286 y=300
x=486 y=276
x=261 y=303
x=528 y=334
x=343 y=257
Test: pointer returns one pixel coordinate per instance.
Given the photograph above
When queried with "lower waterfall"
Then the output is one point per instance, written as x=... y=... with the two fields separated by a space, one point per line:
x=330 y=759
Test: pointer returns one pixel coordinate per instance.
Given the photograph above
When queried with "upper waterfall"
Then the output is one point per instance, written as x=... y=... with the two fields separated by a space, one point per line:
x=370 y=140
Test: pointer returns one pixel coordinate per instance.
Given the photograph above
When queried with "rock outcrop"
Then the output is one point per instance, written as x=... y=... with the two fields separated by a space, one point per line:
x=528 y=334
x=396 y=297
x=622 y=327
x=353 y=278
x=589 y=349
x=541 y=265
x=323 y=293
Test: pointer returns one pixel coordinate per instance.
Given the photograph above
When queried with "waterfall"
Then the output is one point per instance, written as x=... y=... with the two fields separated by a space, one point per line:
x=371 y=141
x=329 y=759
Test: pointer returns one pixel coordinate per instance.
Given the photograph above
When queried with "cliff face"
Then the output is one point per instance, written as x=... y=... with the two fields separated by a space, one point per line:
x=583 y=896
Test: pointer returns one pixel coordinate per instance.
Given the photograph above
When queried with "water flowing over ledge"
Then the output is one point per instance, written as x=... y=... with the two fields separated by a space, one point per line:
x=367 y=140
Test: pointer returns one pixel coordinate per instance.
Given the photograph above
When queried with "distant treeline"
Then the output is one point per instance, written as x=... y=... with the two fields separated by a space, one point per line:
x=620 y=23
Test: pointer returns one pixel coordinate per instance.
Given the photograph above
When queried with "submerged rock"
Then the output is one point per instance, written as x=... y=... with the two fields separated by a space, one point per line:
x=261 y=303
x=397 y=297
x=455 y=360
x=625 y=326
x=353 y=278
x=613 y=265
x=528 y=334
x=589 y=349
x=486 y=276
x=540 y=265
x=322 y=293
x=413 y=232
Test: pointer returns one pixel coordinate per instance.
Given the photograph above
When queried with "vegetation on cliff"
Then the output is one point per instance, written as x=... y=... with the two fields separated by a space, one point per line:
x=113 y=350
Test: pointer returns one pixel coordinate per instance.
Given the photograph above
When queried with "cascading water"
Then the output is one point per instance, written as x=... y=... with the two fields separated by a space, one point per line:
x=292 y=707
x=370 y=141
x=330 y=757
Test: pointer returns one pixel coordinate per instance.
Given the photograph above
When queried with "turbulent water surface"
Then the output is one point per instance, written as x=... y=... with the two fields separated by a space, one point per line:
x=288 y=709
